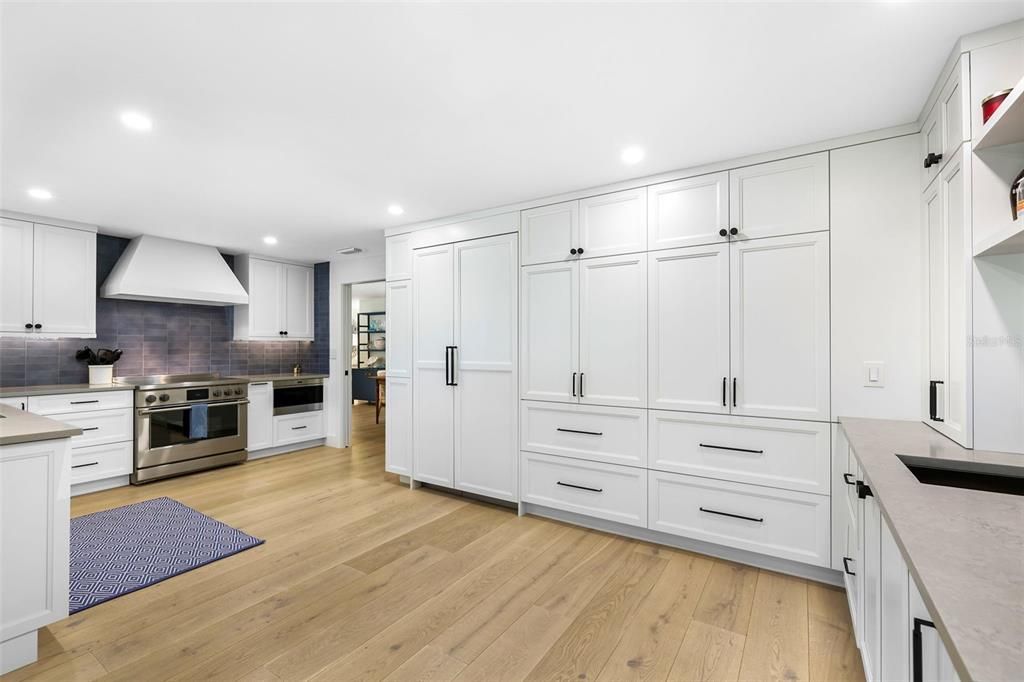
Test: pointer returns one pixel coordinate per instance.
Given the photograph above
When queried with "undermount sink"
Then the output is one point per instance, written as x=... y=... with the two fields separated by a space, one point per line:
x=993 y=478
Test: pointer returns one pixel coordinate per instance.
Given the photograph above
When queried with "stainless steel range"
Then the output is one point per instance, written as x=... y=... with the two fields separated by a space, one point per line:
x=173 y=436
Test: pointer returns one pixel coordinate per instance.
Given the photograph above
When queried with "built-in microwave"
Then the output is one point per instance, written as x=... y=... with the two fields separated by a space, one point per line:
x=292 y=396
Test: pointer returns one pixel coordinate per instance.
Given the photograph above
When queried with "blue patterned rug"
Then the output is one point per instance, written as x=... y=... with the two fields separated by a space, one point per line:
x=121 y=550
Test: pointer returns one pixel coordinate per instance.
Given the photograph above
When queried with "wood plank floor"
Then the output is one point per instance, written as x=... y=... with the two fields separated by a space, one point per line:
x=362 y=578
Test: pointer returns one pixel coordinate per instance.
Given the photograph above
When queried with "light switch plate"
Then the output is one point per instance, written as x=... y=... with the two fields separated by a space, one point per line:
x=874 y=374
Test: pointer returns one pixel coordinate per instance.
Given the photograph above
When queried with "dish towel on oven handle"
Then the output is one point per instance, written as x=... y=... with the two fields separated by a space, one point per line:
x=198 y=421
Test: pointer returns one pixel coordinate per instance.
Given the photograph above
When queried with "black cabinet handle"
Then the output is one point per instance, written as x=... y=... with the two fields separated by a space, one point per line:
x=83 y=402
x=586 y=433
x=573 y=251
x=723 y=232
x=724 y=381
x=574 y=384
x=932 y=159
x=453 y=351
x=79 y=466
x=580 y=487
x=864 y=490
x=581 y=384
x=846 y=565
x=933 y=400
x=296 y=428
x=847 y=477
x=724 y=447
x=734 y=231
x=28 y=325
x=261 y=383
x=733 y=516
x=91 y=428
x=447 y=365
x=918 y=648
x=734 y=391
x=38 y=326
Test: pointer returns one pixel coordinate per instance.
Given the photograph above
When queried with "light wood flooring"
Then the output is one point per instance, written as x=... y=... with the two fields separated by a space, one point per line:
x=362 y=578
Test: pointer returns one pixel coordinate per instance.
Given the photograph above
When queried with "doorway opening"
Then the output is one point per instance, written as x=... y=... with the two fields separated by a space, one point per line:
x=367 y=367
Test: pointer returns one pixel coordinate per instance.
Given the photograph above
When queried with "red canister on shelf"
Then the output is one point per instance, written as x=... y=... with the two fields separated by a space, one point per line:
x=991 y=103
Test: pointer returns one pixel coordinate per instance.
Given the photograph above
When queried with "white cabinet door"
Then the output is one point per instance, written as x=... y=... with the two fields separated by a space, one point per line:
x=433 y=393
x=871 y=569
x=780 y=197
x=19 y=403
x=613 y=331
x=298 y=303
x=688 y=339
x=266 y=299
x=931 y=144
x=399 y=257
x=261 y=416
x=64 y=281
x=549 y=336
x=549 y=233
x=486 y=396
x=895 y=634
x=15 y=275
x=954 y=109
x=398 y=389
x=780 y=327
x=935 y=237
x=688 y=212
x=936 y=666
x=613 y=223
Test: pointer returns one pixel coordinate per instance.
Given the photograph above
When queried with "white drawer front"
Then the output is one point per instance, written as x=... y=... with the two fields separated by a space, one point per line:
x=97 y=462
x=605 y=491
x=79 y=402
x=295 y=428
x=780 y=453
x=617 y=435
x=109 y=426
x=780 y=523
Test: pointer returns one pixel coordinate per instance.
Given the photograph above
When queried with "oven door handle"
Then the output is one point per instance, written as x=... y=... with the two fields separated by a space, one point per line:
x=154 y=410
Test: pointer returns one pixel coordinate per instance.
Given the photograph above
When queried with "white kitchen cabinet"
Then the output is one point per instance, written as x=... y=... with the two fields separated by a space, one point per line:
x=870 y=568
x=688 y=338
x=780 y=327
x=616 y=435
x=613 y=223
x=549 y=332
x=688 y=212
x=72 y=403
x=549 y=233
x=947 y=224
x=48 y=280
x=280 y=300
x=299 y=427
x=98 y=462
x=260 y=415
x=936 y=665
x=789 y=196
x=398 y=263
x=894 y=665
x=15 y=402
x=613 y=331
x=948 y=123
x=398 y=380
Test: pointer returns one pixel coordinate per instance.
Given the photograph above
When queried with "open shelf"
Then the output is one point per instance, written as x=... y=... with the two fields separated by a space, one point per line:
x=1006 y=125
x=1008 y=240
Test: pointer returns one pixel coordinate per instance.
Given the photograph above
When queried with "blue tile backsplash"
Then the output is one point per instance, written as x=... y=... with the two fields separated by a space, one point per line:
x=165 y=338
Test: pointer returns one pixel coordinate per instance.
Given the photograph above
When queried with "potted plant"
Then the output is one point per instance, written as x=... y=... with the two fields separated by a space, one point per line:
x=101 y=364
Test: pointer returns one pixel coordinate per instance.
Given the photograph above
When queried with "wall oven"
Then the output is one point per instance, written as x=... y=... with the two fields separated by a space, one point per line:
x=292 y=396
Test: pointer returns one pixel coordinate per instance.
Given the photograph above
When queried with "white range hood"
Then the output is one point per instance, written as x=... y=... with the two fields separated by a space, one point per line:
x=172 y=271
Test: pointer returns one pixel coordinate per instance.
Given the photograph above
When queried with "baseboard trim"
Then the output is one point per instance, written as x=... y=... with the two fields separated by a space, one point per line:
x=96 y=486
x=284 y=449
x=819 y=574
x=19 y=651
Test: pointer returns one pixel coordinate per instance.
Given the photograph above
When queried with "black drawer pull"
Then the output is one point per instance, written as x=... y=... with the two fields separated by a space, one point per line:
x=586 y=433
x=735 y=516
x=83 y=402
x=296 y=428
x=581 y=487
x=79 y=466
x=846 y=565
x=261 y=383
x=90 y=428
x=847 y=477
x=723 y=447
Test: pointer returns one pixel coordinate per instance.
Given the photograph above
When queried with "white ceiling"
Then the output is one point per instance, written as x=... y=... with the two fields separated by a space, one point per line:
x=305 y=121
x=372 y=290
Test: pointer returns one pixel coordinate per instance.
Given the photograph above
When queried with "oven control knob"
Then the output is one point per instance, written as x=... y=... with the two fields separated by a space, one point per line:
x=238 y=391
x=164 y=397
x=216 y=393
x=150 y=398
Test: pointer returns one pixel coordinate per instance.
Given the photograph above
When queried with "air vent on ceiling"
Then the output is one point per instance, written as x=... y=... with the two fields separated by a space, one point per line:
x=350 y=250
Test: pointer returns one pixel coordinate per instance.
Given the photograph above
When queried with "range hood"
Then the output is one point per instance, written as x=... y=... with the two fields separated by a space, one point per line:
x=172 y=271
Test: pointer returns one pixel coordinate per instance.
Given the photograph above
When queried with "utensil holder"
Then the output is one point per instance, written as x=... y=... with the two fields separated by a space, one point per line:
x=101 y=374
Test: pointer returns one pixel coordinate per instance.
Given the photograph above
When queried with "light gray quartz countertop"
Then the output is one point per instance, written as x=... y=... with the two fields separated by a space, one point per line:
x=277 y=377
x=964 y=548
x=17 y=426
x=56 y=389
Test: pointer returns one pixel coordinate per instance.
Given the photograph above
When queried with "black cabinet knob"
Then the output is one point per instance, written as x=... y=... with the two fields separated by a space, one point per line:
x=734 y=231
x=572 y=251
x=723 y=232
x=580 y=251
x=38 y=326
x=28 y=325
x=286 y=333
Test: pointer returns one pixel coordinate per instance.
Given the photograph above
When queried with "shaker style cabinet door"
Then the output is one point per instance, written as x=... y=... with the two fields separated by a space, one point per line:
x=486 y=366
x=613 y=223
x=433 y=394
x=688 y=338
x=298 y=307
x=398 y=262
x=549 y=332
x=780 y=197
x=780 y=327
x=549 y=233
x=613 y=331
x=64 y=281
x=260 y=416
x=688 y=212
x=266 y=299
x=398 y=384
x=15 y=275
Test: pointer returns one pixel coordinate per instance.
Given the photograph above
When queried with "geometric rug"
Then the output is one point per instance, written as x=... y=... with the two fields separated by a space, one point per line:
x=122 y=550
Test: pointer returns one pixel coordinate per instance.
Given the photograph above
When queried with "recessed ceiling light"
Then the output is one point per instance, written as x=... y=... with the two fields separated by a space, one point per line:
x=270 y=240
x=632 y=155
x=40 y=193
x=136 y=121
x=395 y=209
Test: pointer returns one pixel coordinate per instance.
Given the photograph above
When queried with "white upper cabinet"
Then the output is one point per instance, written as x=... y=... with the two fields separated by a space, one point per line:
x=613 y=223
x=266 y=298
x=549 y=233
x=780 y=197
x=399 y=257
x=549 y=332
x=688 y=212
x=613 y=331
x=780 y=327
x=298 y=302
x=948 y=123
x=15 y=276
x=48 y=283
x=688 y=340
x=280 y=300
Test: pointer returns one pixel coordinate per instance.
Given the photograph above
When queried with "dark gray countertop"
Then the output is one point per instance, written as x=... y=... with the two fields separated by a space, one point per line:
x=24 y=427
x=965 y=548
x=56 y=389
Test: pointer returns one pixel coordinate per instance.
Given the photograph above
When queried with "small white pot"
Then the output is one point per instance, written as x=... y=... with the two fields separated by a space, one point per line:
x=101 y=374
